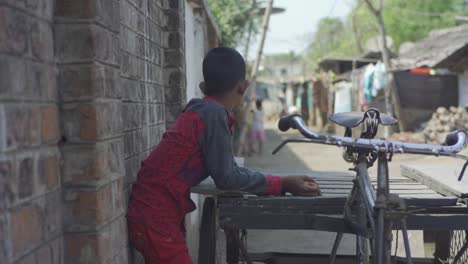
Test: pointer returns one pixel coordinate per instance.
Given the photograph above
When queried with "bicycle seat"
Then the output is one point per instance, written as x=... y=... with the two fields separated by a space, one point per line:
x=353 y=119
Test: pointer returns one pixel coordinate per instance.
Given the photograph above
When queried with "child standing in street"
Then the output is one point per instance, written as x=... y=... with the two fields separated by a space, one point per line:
x=197 y=146
x=257 y=131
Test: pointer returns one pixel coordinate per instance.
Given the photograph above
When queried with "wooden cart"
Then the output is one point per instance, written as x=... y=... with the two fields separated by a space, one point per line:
x=234 y=212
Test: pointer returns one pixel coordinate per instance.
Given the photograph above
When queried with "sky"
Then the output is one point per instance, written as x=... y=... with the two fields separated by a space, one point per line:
x=293 y=29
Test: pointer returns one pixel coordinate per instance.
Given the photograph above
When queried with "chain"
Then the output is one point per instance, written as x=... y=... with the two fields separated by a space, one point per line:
x=396 y=244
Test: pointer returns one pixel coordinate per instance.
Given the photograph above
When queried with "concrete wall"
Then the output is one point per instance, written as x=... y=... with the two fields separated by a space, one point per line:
x=197 y=45
x=463 y=88
x=87 y=88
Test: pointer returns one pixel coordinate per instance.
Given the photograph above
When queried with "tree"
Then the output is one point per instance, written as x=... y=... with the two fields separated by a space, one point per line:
x=333 y=38
x=390 y=93
x=233 y=18
x=404 y=21
x=408 y=20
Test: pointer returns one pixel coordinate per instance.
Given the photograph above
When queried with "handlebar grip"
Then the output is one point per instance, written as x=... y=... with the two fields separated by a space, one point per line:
x=453 y=137
x=286 y=122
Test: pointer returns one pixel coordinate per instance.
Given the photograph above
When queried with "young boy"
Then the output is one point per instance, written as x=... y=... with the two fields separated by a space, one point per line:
x=257 y=131
x=197 y=146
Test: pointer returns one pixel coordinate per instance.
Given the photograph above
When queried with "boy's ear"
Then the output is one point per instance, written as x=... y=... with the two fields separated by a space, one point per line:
x=202 y=87
x=243 y=86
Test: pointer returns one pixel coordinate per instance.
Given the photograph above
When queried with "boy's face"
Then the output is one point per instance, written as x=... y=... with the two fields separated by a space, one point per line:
x=239 y=92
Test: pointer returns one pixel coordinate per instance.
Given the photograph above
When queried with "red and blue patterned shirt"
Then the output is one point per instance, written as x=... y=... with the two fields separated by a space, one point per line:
x=197 y=146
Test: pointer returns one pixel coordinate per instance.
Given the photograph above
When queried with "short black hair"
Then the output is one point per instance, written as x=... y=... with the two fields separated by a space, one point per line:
x=258 y=103
x=223 y=68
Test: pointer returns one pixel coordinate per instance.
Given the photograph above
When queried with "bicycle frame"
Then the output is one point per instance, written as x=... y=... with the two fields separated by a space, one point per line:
x=376 y=206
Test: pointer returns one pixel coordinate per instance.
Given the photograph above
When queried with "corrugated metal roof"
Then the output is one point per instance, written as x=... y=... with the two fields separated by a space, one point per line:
x=438 y=50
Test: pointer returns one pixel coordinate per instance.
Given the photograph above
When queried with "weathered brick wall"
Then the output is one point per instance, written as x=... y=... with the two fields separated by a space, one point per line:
x=88 y=56
x=30 y=207
x=105 y=77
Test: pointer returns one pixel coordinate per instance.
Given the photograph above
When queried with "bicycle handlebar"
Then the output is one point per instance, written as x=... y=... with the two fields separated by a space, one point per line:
x=455 y=141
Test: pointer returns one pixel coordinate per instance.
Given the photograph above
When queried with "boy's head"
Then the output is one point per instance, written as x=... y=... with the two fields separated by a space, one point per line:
x=224 y=73
x=258 y=103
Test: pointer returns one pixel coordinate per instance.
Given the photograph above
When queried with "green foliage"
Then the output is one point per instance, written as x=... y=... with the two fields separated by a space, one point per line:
x=233 y=18
x=333 y=38
x=413 y=20
x=405 y=20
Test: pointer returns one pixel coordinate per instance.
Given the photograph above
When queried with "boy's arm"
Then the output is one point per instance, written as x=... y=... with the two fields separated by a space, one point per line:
x=217 y=149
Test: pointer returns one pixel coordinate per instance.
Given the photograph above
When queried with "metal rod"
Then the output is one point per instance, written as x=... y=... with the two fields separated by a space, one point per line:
x=336 y=245
x=379 y=239
x=404 y=230
x=381 y=145
x=359 y=250
x=265 y=22
x=382 y=196
x=365 y=185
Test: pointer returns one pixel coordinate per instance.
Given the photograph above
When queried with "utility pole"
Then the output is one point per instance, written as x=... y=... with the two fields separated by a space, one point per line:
x=391 y=97
x=249 y=33
x=266 y=20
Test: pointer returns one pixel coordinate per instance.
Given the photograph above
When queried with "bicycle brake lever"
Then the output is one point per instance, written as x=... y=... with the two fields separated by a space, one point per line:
x=279 y=147
x=296 y=140
x=462 y=173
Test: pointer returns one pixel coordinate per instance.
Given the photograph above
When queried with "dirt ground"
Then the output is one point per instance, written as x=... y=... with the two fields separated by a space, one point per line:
x=297 y=158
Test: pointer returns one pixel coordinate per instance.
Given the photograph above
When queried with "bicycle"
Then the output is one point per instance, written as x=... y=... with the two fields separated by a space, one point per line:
x=372 y=213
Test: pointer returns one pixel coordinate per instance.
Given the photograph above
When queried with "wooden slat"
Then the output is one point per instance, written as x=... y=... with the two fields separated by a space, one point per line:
x=443 y=185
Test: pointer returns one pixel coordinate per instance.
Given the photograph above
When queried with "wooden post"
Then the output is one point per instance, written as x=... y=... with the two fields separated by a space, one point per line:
x=391 y=96
x=266 y=20
x=249 y=33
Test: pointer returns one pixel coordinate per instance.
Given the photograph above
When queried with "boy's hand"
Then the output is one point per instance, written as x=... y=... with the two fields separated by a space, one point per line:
x=300 y=185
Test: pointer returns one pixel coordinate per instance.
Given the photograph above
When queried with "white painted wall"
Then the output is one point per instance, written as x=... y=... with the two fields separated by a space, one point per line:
x=463 y=89
x=195 y=43
x=195 y=48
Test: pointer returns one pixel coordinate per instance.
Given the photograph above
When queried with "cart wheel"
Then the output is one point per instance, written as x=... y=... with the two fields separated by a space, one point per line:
x=232 y=245
x=451 y=247
x=459 y=247
x=207 y=242
x=442 y=247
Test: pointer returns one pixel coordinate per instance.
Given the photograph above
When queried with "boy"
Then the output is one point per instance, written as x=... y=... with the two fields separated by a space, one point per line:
x=197 y=146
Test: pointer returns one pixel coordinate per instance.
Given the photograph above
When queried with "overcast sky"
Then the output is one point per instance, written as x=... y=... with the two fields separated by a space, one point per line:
x=293 y=29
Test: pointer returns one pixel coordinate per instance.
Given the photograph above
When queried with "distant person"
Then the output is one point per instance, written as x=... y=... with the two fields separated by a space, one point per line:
x=305 y=103
x=197 y=146
x=257 y=131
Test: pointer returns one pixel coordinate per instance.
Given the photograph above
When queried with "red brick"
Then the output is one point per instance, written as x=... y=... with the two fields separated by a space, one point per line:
x=25 y=184
x=51 y=172
x=2 y=243
x=86 y=248
x=88 y=130
x=41 y=41
x=26 y=228
x=13 y=31
x=43 y=255
x=6 y=169
x=57 y=251
x=23 y=126
x=93 y=165
x=48 y=173
x=88 y=208
x=29 y=259
x=91 y=122
x=50 y=127
x=75 y=9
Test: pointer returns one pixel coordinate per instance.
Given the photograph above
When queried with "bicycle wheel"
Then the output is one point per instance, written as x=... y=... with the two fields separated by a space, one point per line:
x=459 y=247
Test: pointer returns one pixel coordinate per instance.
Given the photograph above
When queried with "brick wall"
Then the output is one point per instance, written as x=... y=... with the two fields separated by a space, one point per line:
x=30 y=207
x=103 y=77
